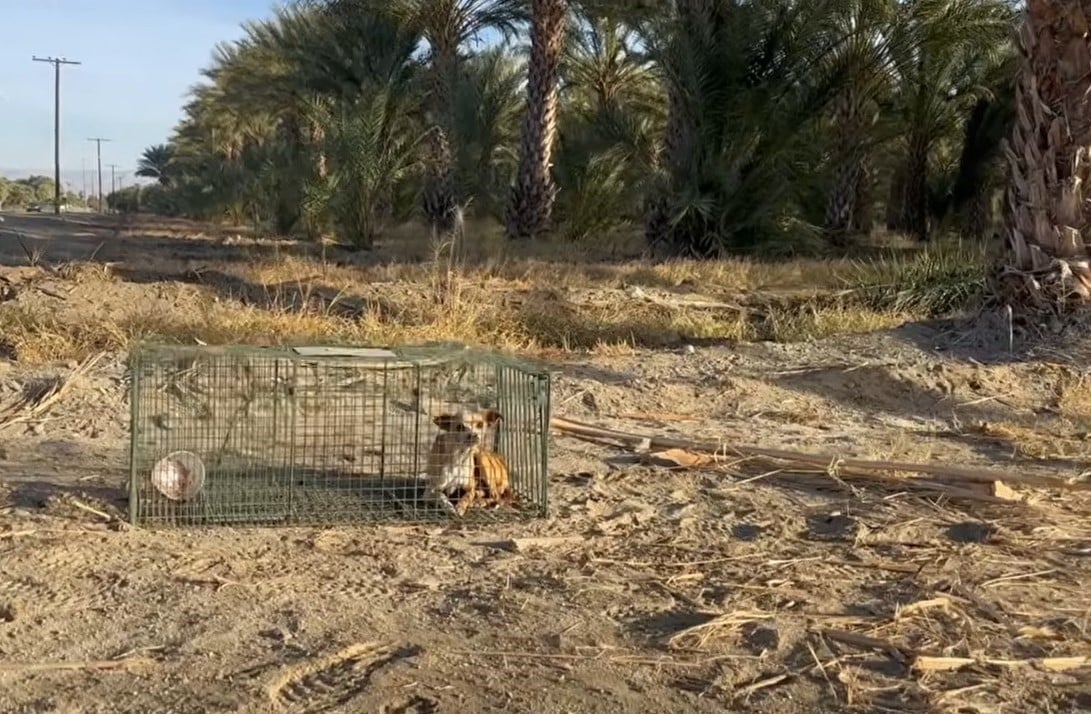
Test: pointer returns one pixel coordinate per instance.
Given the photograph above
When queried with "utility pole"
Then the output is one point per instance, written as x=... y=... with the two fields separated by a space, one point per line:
x=115 y=181
x=98 y=144
x=56 y=62
x=83 y=177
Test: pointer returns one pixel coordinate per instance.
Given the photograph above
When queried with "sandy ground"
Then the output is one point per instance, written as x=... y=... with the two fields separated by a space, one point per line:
x=648 y=588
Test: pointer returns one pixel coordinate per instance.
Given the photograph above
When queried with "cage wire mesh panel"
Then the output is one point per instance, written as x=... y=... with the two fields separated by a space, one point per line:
x=240 y=435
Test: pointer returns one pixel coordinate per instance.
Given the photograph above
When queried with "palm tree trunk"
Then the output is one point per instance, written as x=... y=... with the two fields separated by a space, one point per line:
x=679 y=143
x=863 y=215
x=534 y=192
x=439 y=197
x=1047 y=217
x=439 y=185
x=916 y=189
x=841 y=202
x=318 y=141
x=895 y=200
x=975 y=215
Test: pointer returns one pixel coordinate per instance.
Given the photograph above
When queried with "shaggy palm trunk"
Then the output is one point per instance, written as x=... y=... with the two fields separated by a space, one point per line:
x=895 y=200
x=841 y=201
x=287 y=184
x=439 y=185
x=679 y=143
x=863 y=214
x=533 y=194
x=916 y=189
x=1047 y=217
x=313 y=210
x=975 y=215
x=440 y=202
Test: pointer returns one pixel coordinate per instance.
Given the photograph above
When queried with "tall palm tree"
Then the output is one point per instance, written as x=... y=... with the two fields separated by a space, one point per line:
x=534 y=192
x=611 y=118
x=1046 y=267
x=155 y=163
x=447 y=27
x=743 y=95
x=690 y=16
x=863 y=57
x=941 y=63
x=489 y=105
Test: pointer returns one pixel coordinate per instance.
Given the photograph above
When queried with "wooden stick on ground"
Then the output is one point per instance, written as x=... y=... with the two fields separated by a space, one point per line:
x=851 y=466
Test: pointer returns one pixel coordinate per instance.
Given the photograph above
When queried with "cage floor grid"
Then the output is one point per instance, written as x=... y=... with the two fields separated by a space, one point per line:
x=228 y=499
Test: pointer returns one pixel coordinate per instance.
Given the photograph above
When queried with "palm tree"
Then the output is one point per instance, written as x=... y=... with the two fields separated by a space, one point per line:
x=1046 y=267
x=534 y=191
x=861 y=34
x=448 y=26
x=155 y=163
x=489 y=104
x=980 y=161
x=743 y=96
x=949 y=46
x=612 y=114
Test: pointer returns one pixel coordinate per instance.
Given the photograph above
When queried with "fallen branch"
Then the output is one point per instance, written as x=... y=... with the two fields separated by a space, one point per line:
x=90 y=509
x=825 y=462
x=102 y=664
x=29 y=408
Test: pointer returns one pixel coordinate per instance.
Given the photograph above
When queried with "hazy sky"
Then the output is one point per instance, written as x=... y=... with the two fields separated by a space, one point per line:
x=139 y=59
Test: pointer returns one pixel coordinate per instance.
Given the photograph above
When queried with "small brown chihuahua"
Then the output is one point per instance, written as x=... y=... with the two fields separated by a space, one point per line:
x=453 y=456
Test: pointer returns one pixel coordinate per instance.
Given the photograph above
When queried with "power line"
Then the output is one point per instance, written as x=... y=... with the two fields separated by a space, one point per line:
x=98 y=144
x=56 y=62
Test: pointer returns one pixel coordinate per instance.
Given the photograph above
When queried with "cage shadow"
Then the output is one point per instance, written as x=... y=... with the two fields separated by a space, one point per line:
x=305 y=496
x=35 y=472
x=37 y=494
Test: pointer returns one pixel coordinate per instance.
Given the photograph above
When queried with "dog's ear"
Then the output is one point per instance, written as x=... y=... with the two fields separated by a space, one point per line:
x=492 y=416
x=447 y=422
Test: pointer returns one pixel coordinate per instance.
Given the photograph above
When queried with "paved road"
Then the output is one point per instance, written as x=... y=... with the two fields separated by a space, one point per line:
x=56 y=238
x=83 y=236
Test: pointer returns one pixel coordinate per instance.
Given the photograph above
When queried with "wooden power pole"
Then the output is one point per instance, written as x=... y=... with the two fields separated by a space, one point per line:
x=56 y=62
x=98 y=151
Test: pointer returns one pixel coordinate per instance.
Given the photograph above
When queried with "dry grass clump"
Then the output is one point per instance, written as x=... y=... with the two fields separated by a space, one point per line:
x=482 y=315
x=535 y=297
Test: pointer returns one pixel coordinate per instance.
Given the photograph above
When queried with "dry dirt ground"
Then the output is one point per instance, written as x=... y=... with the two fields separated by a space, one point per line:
x=748 y=587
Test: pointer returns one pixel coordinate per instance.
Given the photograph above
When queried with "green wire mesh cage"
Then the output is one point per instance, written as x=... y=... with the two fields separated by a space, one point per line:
x=325 y=435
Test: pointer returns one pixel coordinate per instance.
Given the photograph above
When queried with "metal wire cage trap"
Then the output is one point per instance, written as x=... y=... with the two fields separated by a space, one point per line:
x=321 y=435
